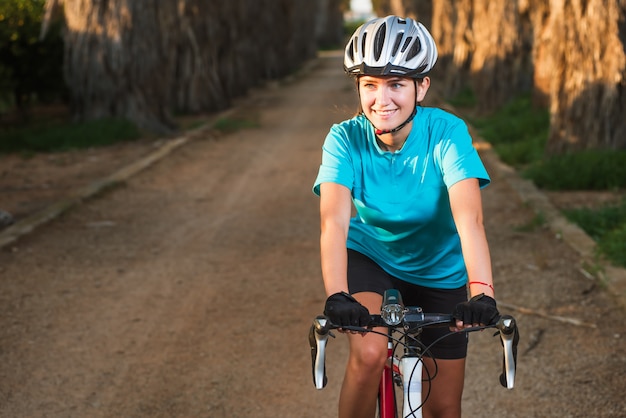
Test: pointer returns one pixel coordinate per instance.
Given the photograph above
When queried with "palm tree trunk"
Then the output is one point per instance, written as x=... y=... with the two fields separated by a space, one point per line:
x=144 y=60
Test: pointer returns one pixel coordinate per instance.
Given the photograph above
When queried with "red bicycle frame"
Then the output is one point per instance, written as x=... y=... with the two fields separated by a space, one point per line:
x=386 y=390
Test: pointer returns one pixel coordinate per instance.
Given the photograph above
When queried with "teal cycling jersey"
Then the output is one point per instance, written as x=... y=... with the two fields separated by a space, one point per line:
x=403 y=218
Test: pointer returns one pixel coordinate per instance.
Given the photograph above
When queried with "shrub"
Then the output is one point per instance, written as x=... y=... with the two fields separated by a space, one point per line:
x=518 y=131
x=30 y=67
x=585 y=170
x=614 y=245
x=47 y=138
x=607 y=226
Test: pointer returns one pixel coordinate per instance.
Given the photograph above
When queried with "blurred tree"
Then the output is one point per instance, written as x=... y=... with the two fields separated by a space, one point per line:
x=143 y=60
x=500 y=65
x=329 y=25
x=570 y=53
x=586 y=51
x=116 y=59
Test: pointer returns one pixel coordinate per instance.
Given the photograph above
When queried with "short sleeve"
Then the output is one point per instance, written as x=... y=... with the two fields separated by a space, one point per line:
x=459 y=159
x=336 y=164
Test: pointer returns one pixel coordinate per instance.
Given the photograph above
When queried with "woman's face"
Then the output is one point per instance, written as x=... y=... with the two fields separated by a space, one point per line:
x=388 y=101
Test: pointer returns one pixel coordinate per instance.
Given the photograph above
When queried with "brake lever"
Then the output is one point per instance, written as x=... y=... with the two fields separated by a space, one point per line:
x=318 y=337
x=509 y=336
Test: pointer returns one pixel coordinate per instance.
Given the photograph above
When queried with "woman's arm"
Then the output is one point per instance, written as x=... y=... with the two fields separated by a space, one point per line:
x=335 y=212
x=466 y=205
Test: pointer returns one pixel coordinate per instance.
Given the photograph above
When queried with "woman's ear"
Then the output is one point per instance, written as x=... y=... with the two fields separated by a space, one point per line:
x=422 y=88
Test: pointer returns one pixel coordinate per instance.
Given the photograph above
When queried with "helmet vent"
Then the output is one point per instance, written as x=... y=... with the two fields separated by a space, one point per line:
x=415 y=49
x=363 y=43
x=350 y=50
x=396 y=45
x=407 y=42
x=379 y=41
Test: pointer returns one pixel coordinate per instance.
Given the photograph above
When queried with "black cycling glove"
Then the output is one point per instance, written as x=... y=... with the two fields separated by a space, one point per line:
x=480 y=309
x=344 y=310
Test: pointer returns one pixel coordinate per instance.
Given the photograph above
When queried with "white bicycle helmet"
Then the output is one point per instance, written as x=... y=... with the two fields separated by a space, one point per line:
x=391 y=46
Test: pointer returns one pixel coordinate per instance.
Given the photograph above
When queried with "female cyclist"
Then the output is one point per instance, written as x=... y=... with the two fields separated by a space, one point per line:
x=414 y=179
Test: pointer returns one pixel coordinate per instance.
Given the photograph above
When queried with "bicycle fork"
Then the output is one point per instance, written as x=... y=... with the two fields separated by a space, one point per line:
x=386 y=390
x=411 y=371
x=408 y=369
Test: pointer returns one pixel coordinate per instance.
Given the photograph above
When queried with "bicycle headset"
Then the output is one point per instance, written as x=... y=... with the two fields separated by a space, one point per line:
x=391 y=46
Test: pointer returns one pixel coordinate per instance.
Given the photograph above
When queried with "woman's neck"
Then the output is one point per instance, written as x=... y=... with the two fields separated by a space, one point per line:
x=394 y=142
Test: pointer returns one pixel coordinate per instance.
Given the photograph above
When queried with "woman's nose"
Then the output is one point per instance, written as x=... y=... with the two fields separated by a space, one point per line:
x=382 y=96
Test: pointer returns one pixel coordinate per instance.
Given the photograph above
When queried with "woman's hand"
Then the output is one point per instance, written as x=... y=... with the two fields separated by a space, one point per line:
x=344 y=310
x=479 y=310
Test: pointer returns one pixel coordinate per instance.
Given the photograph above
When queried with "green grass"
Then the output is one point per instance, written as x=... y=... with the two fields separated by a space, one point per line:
x=465 y=98
x=233 y=124
x=613 y=245
x=51 y=136
x=54 y=134
x=585 y=170
x=607 y=226
x=518 y=132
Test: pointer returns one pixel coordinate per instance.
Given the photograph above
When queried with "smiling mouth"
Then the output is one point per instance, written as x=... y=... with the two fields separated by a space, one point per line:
x=384 y=113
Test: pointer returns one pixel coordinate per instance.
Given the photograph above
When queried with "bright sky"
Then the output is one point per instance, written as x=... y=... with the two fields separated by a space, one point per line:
x=358 y=6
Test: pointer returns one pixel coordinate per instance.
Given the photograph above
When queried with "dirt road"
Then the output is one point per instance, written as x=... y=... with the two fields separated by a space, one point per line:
x=188 y=290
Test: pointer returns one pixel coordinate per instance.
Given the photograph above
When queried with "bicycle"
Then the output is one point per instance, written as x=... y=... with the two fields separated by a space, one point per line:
x=405 y=371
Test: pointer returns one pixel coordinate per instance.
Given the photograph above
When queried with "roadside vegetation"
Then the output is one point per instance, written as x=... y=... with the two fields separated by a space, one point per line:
x=31 y=68
x=607 y=226
x=54 y=136
x=519 y=132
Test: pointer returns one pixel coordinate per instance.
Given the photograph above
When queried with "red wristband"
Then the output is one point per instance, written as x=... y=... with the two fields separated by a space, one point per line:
x=484 y=284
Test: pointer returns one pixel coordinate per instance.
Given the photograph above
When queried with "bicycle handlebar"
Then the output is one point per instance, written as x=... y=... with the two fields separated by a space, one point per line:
x=318 y=337
x=410 y=319
x=509 y=336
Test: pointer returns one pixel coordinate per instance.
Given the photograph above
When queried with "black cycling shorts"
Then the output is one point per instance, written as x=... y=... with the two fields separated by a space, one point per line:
x=364 y=275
